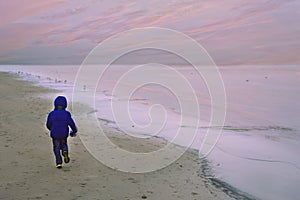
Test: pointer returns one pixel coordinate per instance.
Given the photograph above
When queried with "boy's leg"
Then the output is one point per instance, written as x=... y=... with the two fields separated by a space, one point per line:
x=64 y=148
x=56 y=150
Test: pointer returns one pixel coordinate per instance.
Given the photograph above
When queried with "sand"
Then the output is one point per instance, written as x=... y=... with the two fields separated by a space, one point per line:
x=27 y=162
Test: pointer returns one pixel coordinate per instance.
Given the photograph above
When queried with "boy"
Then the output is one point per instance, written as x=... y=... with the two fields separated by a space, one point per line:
x=58 y=123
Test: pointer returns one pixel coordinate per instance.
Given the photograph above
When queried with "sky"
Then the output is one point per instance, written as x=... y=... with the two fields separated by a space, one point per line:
x=234 y=32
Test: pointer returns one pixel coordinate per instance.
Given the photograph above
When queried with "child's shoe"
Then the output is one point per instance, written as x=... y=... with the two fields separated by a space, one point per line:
x=66 y=157
x=58 y=166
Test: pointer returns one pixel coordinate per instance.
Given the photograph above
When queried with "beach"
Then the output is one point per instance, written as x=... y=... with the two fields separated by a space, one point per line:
x=28 y=169
x=257 y=152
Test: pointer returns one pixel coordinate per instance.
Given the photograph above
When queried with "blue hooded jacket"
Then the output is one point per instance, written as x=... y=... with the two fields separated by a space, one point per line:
x=59 y=119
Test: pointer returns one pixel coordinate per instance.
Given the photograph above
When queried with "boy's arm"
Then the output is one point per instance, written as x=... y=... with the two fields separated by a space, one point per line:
x=71 y=123
x=49 y=122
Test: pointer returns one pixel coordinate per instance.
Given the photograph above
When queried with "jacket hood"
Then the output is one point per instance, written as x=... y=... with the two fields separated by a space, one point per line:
x=60 y=101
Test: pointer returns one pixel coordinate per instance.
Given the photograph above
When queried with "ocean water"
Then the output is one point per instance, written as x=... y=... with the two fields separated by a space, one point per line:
x=258 y=151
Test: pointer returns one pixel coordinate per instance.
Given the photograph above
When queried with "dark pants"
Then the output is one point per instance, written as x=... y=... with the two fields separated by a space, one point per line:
x=59 y=144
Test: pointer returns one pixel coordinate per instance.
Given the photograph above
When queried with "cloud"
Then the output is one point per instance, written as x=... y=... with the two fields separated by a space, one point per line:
x=13 y=10
x=16 y=35
x=228 y=29
x=65 y=13
x=19 y=35
x=271 y=25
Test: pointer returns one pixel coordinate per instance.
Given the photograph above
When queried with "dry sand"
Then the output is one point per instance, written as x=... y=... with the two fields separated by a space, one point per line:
x=27 y=162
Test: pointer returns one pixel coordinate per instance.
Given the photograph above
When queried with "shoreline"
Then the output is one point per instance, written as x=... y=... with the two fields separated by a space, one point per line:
x=29 y=169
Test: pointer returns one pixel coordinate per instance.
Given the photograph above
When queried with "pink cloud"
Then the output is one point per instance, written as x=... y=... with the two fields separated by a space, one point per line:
x=65 y=13
x=223 y=28
x=19 y=9
x=18 y=35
